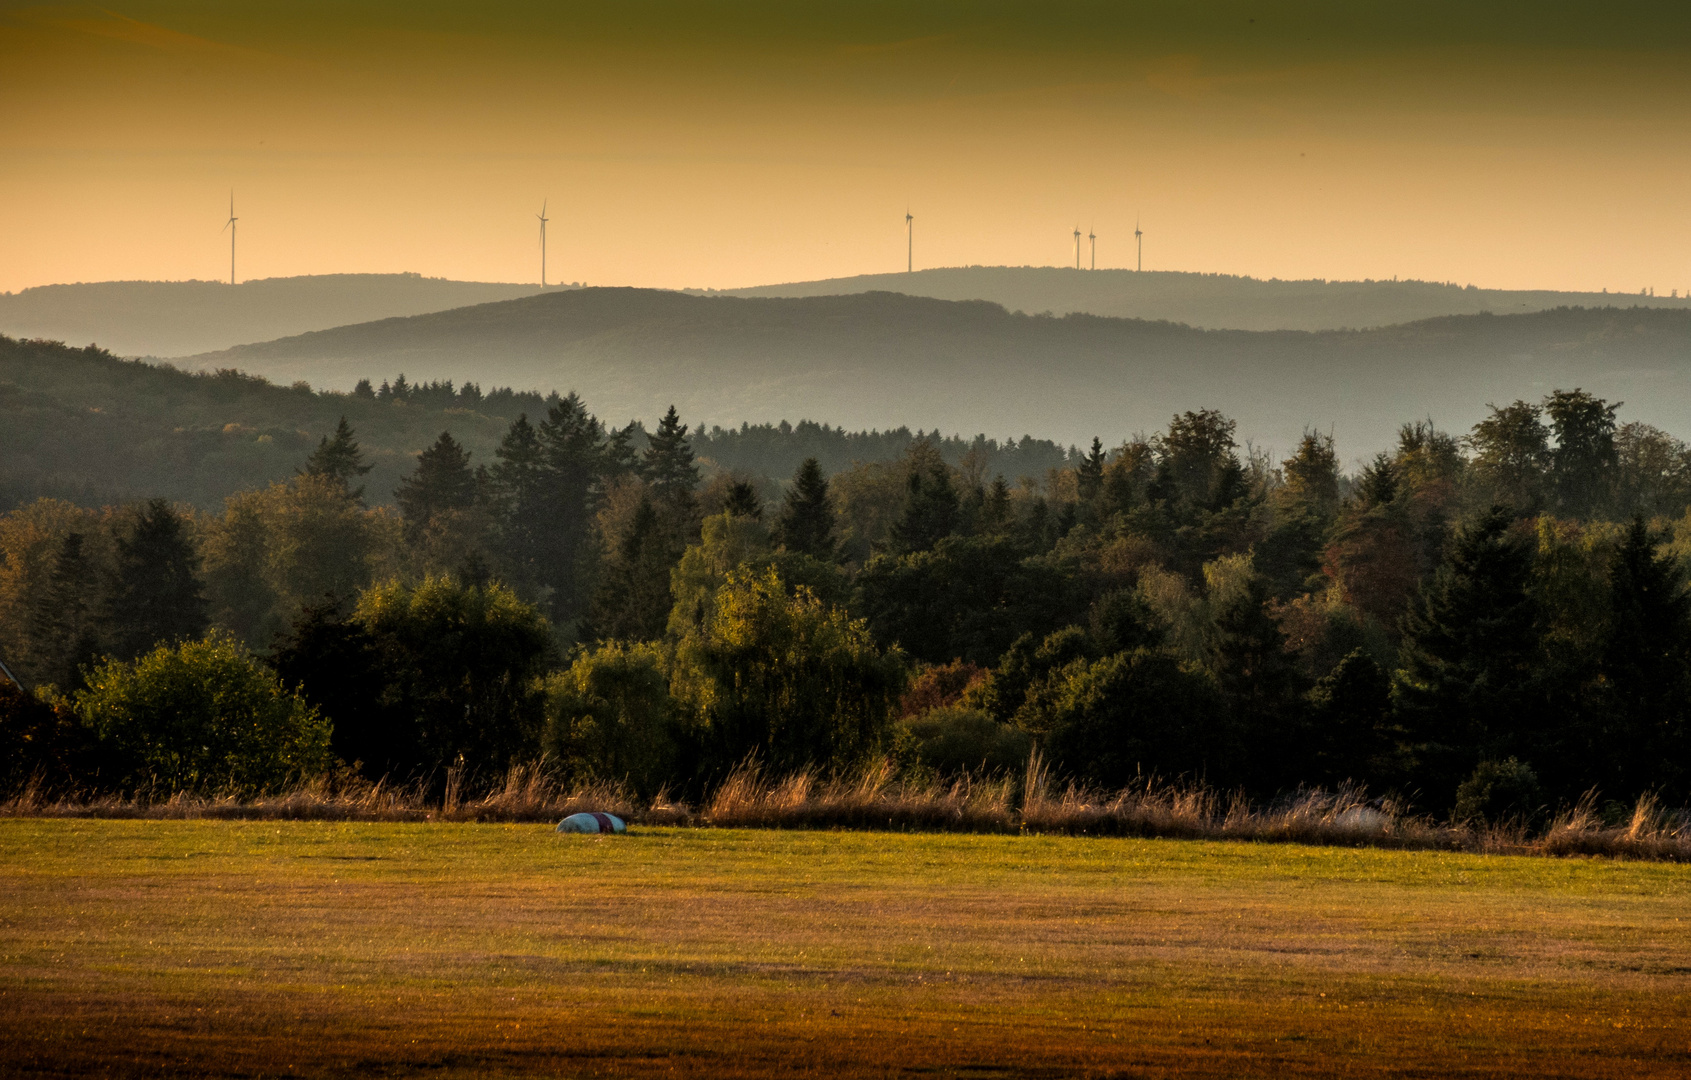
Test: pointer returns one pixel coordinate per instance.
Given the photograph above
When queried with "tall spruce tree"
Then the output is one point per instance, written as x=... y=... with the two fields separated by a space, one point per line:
x=518 y=484
x=572 y=466
x=1465 y=689
x=442 y=481
x=62 y=638
x=155 y=593
x=807 y=520
x=668 y=466
x=742 y=501
x=1647 y=667
x=633 y=599
x=1089 y=474
x=339 y=457
x=930 y=507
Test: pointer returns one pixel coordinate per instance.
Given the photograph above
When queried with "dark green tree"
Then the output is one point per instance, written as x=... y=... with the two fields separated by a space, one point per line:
x=62 y=637
x=1512 y=455
x=1260 y=682
x=1465 y=691
x=155 y=593
x=572 y=464
x=667 y=465
x=930 y=508
x=742 y=501
x=1647 y=667
x=1582 y=465
x=442 y=481
x=1089 y=474
x=996 y=512
x=518 y=484
x=633 y=599
x=806 y=524
x=339 y=457
x=1351 y=735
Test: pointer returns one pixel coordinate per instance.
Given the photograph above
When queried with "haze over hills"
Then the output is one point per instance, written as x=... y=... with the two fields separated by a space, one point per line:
x=882 y=359
x=1209 y=301
x=182 y=318
x=178 y=318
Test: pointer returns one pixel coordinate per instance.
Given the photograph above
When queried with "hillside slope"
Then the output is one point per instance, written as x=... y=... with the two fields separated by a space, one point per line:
x=881 y=360
x=176 y=318
x=1211 y=301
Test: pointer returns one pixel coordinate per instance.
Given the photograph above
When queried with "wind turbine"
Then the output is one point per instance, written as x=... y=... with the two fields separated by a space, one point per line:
x=543 y=220
x=1139 y=239
x=909 y=242
x=1092 y=236
x=1077 y=247
x=230 y=225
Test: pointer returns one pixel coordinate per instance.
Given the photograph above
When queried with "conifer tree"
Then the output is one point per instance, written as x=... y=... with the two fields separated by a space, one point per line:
x=1465 y=687
x=633 y=599
x=518 y=485
x=1647 y=666
x=62 y=637
x=996 y=509
x=155 y=593
x=668 y=466
x=1089 y=474
x=807 y=519
x=572 y=467
x=742 y=501
x=339 y=457
x=442 y=481
x=930 y=508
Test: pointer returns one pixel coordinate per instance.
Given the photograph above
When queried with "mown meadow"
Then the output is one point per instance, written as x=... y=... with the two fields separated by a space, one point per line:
x=248 y=948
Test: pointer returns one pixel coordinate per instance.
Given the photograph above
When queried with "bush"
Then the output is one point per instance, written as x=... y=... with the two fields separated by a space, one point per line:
x=786 y=677
x=955 y=739
x=1497 y=793
x=611 y=717
x=205 y=717
x=38 y=738
x=460 y=664
x=1133 y=713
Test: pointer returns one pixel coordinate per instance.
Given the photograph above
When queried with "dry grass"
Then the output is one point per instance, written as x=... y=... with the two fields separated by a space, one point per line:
x=264 y=948
x=878 y=799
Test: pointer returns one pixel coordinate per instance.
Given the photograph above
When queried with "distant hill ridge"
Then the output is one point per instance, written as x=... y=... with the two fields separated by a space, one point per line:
x=179 y=318
x=879 y=360
x=182 y=318
x=1211 y=301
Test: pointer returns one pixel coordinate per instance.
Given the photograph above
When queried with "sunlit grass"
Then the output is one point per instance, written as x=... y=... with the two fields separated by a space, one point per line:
x=247 y=948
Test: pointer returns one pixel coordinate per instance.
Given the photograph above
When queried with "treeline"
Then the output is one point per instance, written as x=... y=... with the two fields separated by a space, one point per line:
x=1488 y=624
x=90 y=428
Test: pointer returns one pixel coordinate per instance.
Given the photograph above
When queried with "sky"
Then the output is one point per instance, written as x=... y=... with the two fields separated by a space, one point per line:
x=708 y=144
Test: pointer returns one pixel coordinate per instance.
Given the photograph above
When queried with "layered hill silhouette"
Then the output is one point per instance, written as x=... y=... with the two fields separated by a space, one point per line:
x=882 y=359
x=182 y=318
x=1210 y=301
x=178 y=318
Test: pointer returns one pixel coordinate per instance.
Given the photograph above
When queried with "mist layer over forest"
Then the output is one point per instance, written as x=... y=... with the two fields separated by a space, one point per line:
x=879 y=360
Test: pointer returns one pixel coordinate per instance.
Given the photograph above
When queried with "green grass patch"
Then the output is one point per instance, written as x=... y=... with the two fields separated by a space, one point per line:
x=342 y=948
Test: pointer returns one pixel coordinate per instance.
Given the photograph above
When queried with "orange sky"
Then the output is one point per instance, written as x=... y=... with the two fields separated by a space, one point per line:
x=698 y=144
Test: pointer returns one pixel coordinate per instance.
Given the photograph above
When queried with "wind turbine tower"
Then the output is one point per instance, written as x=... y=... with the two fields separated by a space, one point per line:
x=1077 y=247
x=909 y=242
x=1092 y=237
x=543 y=220
x=230 y=225
x=1139 y=240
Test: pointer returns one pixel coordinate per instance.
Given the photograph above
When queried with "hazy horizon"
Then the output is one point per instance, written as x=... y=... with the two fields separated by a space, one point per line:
x=733 y=145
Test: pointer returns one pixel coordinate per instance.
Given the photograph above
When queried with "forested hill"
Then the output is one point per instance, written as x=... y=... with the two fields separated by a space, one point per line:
x=1212 y=301
x=883 y=360
x=83 y=425
x=176 y=318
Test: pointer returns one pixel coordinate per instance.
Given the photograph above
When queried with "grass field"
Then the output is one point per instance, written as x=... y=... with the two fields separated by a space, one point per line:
x=277 y=948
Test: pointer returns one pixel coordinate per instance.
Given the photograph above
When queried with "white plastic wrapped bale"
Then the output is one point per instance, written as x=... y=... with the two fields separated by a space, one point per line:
x=593 y=823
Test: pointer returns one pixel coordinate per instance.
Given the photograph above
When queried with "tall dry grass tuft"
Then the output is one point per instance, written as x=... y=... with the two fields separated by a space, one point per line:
x=874 y=798
x=877 y=797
